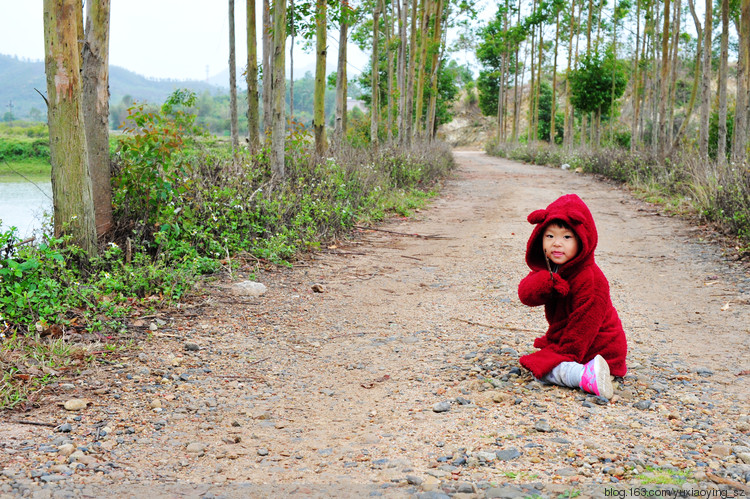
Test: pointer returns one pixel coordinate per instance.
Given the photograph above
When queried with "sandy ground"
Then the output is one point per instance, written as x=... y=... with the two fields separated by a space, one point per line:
x=306 y=393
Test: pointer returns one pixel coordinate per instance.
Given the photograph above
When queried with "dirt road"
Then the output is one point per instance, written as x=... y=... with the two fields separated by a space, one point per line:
x=338 y=393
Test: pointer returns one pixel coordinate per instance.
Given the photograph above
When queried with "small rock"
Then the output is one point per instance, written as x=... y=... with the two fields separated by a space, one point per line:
x=642 y=405
x=66 y=450
x=486 y=456
x=704 y=371
x=155 y=404
x=196 y=448
x=192 y=347
x=542 y=426
x=499 y=397
x=413 y=480
x=64 y=428
x=507 y=454
x=75 y=404
x=262 y=451
x=249 y=288
x=720 y=450
x=441 y=407
x=318 y=288
x=745 y=457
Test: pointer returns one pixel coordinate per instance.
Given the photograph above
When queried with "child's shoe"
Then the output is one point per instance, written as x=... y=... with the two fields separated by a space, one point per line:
x=596 y=379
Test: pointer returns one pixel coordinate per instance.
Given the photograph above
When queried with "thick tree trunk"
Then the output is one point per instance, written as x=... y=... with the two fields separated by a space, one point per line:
x=339 y=124
x=291 y=60
x=389 y=20
x=721 y=150
x=673 y=70
x=706 y=83
x=252 y=79
x=319 y=99
x=267 y=66
x=568 y=120
x=426 y=10
x=95 y=101
x=278 y=131
x=73 y=201
x=740 y=138
x=375 y=80
x=233 y=123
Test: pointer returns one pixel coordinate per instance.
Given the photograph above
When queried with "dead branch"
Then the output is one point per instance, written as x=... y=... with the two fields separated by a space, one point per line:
x=421 y=236
x=508 y=328
x=35 y=423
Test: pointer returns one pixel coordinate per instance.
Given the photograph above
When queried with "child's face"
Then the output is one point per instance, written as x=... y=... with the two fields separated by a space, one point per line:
x=560 y=244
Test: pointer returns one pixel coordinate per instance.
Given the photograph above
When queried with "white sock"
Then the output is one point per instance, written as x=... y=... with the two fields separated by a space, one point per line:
x=565 y=374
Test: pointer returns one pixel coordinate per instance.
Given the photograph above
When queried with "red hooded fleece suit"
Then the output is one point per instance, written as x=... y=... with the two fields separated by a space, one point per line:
x=582 y=320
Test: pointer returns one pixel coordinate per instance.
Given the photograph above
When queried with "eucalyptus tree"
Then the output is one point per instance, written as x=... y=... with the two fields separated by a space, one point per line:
x=233 y=124
x=252 y=79
x=278 y=108
x=72 y=192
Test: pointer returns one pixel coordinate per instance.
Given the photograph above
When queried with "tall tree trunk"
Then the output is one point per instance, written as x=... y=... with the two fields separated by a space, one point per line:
x=339 y=124
x=614 y=66
x=95 y=99
x=409 y=132
x=319 y=99
x=673 y=70
x=535 y=128
x=401 y=71
x=664 y=87
x=426 y=10
x=267 y=69
x=721 y=150
x=72 y=193
x=636 y=80
x=435 y=67
x=706 y=83
x=696 y=77
x=501 y=82
x=233 y=124
x=740 y=137
x=375 y=81
x=532 y=86
x=290 y=13
x=568 y=122
x=278 y=131
x=552 y=133
x=389 y=21
x=252 y=79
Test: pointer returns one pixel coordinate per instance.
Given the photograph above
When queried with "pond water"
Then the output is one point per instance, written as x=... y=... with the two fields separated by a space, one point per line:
x=23 y=204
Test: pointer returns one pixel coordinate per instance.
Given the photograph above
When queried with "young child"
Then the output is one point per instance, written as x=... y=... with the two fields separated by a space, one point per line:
x=585 y=342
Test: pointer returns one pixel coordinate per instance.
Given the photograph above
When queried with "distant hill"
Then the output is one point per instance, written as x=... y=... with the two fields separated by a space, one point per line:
x=19 y=78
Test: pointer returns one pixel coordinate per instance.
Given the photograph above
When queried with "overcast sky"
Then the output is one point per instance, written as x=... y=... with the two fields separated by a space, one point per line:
x=178 y=39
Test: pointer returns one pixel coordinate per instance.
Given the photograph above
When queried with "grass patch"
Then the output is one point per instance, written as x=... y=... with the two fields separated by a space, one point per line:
x=662 y=476
x=35 y=169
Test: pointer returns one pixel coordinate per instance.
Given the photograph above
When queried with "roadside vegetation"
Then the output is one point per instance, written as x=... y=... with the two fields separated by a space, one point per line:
x=683 y=184
x=186 y=209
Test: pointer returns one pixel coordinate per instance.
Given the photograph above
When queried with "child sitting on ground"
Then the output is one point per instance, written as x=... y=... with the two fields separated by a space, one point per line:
x=585 y=342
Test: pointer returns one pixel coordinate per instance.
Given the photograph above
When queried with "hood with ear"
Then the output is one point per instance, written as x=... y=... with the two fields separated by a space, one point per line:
x=573 y=211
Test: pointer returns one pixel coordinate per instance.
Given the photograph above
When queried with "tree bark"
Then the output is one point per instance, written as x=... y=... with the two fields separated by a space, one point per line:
x=696 y=77
x=267 y=66
x=401 y=72
x=95 y=100
x=706 y=83
x=339 y=124
x=73 y=201
x=278 y=131
x=664 y=87
x=233 y=124
x=673 y=70
x=721 y=149
x=435 y=66
x=426 y=10
x=636 y=80
x=319 y=99
x=740 y=138
x=409 y=131
x=554 y=81
x=375 y=80
x=389 y=20
x=252 y=79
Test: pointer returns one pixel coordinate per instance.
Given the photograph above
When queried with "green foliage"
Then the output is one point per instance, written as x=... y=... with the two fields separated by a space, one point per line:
x=24 y=140
x=591 y=84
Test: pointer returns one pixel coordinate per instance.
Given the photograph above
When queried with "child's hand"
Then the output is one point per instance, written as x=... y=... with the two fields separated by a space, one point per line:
x=560 y=285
